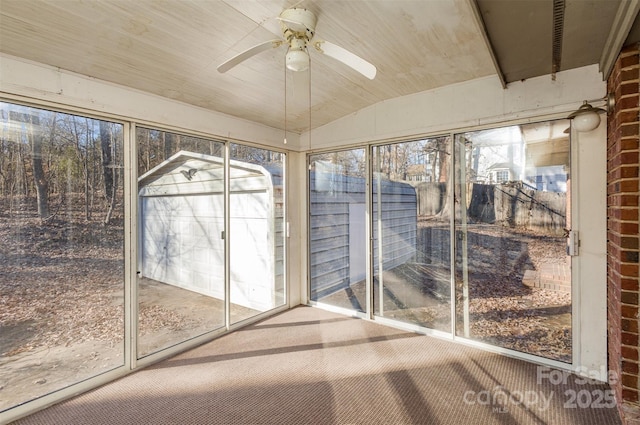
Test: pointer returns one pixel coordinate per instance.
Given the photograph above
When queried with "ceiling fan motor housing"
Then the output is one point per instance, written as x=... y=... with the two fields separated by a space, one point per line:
x=298 y=23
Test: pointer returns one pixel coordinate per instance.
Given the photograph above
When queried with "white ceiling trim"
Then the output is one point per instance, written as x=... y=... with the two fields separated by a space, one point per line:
x=451 y=108
x=625 y=17
x=67 y=90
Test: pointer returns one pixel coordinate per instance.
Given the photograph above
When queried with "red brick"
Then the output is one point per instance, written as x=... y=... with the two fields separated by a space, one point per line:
x=628 y=214
x=613 y=173
x=629 y=102
x=629 y=311
x=630 y=367
x=629 y=228
x=628 y=144
x=629 y=270
x=629 y=256
x=627 y=130
x=629 y=394
x=615 y=199
x=627 y=89
x=628 y=297
x=629 y=74
x=629 y=157
x=623 y=130
x=629 y=200
x=630 y=381
x=628 y=186
x=629 y=339
x=628 y=171
x=629 y=242
x=629 y=61
x=629 y=325
x=627 y=116
x=629 y=284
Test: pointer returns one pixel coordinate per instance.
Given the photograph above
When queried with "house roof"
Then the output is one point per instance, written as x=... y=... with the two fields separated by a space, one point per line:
x=189 y=173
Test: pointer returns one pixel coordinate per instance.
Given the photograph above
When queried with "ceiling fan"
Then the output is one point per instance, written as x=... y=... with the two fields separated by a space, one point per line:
x=298 y=28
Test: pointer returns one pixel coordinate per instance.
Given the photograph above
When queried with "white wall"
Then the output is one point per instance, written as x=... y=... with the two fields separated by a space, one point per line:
x=32 y=80
x=468 y=104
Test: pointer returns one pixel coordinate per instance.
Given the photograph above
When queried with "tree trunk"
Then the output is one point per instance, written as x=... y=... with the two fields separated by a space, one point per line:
x=110 y=176
x=38 y=170
x=169 y=141
x=87 y=211
x=445 y=153
x=107 y=165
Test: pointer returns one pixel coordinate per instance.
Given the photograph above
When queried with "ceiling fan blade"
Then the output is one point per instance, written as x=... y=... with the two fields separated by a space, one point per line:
x=301 y=88
x=346 y=57
x=271 y=44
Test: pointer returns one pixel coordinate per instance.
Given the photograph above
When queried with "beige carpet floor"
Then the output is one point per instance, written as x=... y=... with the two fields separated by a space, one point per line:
x=309 y=366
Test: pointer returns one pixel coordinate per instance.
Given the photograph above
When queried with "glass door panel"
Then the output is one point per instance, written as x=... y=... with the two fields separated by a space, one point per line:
x=181 y=250
x=411 y=222
x=513 y=275
x=257 y=281
x=337 y=229
x=61 y=250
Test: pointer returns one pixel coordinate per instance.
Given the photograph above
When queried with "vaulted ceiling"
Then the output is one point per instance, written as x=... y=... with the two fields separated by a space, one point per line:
x=172 y=48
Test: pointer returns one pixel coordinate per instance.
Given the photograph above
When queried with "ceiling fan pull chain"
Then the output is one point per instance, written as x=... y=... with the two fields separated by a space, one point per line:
x=285 y=100
x=309 y=131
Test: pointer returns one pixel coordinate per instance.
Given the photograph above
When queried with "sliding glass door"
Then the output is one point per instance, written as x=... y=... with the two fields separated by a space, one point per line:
x=411 y=221
x=186 y=285
x=62 y=227
x=181 y=250
x=257 y=231
x=513 y=274
x=464 y=234
x=94 y=277
x=337 y=229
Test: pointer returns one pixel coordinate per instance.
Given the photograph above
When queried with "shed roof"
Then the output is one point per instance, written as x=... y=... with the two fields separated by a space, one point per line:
x=194 y=173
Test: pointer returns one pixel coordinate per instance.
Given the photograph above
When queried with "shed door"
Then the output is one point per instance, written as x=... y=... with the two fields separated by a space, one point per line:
x=181 y=244
x=181 y=241
x=251 y=245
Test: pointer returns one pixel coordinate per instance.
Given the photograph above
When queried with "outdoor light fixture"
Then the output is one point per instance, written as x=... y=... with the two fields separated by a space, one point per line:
x=587 y=118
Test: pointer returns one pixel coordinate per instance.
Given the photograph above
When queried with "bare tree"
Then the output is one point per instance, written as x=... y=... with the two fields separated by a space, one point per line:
x=39 y=176
x=107 y=169
x=108 y=172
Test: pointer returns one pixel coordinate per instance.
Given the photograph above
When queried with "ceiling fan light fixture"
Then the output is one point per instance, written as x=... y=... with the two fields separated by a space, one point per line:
x=297 y=60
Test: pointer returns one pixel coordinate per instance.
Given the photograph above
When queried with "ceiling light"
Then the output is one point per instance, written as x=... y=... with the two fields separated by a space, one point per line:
x=586 y=118
x=297 y=60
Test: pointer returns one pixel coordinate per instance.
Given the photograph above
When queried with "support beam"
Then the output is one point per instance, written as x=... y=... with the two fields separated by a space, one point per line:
x=483 y=30
x=626 y=15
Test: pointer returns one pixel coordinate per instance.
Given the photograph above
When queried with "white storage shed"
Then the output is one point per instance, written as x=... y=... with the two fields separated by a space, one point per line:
x=181 y=233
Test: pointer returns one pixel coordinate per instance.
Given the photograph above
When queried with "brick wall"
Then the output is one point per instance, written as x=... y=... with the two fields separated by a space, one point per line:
x=622 y=232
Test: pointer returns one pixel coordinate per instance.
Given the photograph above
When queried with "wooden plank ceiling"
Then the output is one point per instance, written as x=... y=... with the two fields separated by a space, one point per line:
x=172 y=48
